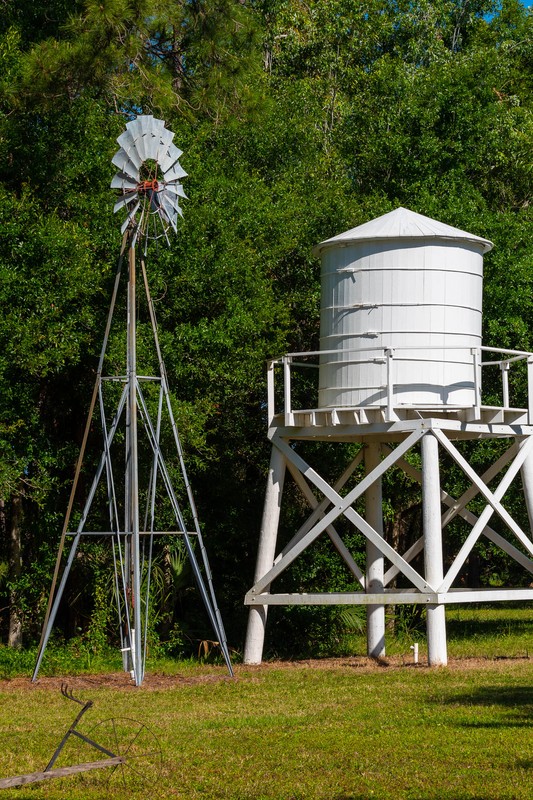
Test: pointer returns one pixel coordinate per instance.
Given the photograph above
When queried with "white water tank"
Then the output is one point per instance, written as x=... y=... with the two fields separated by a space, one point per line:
x=406 y=282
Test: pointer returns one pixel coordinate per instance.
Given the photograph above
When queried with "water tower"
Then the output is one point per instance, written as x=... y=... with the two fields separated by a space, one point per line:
x=399 y=369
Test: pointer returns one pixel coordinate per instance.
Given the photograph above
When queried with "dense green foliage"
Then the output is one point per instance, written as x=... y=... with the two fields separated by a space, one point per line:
x=297 y=121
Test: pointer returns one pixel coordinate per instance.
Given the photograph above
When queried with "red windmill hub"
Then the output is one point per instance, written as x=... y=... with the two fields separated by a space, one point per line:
x=145 y=187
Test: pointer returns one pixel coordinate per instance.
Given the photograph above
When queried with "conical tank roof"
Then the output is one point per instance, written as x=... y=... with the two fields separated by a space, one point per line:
x=402 y=224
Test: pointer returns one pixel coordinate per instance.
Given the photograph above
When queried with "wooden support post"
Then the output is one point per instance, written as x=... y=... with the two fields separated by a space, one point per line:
x=255 y=636
x=375 y=625
x=433 y=560
x=527 y=486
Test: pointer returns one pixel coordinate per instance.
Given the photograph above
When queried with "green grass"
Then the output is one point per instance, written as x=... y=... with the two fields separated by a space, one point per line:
x=498 y=631
x=495 y=632
x=305 y=732
x=340 y=730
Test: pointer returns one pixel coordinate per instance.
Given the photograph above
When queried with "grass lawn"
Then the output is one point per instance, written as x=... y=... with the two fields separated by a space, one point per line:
x=338 y=729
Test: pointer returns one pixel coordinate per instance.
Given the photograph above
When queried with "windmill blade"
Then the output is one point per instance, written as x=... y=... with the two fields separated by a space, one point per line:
x=129 y=145
x=153 y=140
x=129 y=218
x=176 y=189
x=135 y=127
x=146 y=121
x=123 y=163
x=150 y=146
x=172 y=206
x=172 y=221
x=158 y=126
x=170 y=212
x=170 y=202
x=164 y=145
x=123 y=181
x=127 y=198
x=145 y=134
x=158 y=208
x=169 y=157
x=162 y=210
x=141 y=150
x=174 y=173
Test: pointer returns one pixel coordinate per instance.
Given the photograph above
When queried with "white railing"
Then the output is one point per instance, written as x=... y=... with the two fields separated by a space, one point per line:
x=388 y=355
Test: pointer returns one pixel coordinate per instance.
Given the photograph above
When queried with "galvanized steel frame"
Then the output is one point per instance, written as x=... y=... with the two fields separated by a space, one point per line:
x=126 y=548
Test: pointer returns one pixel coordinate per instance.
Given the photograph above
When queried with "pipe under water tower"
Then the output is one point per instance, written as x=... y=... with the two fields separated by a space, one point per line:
x=399 y=368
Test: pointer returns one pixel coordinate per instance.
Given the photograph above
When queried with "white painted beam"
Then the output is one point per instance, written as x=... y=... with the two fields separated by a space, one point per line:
x=389 y=597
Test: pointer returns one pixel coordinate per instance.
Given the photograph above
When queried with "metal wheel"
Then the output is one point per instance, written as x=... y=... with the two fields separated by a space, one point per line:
x=136 y=743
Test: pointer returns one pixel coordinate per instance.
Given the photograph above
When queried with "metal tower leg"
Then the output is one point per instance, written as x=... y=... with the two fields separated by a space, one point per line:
x=133 y=499
x=51 y=616
x=375 y=614
x=46 y=627
x=208 y=593
x=255 y=636
x=433 y=560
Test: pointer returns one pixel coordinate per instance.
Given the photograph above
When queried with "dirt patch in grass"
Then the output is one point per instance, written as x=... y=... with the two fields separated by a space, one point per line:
x=392 y=663
x=204 y=674
x=113 y=680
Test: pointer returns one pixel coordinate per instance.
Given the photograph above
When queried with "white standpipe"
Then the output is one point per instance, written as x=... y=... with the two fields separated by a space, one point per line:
x=255 y=635
x=133 y=653
x=433 y=560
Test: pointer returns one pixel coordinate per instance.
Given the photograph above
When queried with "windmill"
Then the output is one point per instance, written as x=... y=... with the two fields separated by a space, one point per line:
x=148 y=177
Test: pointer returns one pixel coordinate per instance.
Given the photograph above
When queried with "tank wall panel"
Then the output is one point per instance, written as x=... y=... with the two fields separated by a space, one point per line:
x=410 y=296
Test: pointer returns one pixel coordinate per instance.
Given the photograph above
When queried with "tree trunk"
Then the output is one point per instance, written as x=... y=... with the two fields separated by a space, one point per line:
x=15 y=568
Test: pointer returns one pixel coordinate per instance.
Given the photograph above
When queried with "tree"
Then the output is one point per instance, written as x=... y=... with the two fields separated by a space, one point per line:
x=297 y=121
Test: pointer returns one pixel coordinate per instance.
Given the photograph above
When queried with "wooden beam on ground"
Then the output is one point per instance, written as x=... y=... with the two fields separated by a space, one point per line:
x=60 y=772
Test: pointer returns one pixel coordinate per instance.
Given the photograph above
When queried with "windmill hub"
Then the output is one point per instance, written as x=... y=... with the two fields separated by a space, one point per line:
x=147 y=187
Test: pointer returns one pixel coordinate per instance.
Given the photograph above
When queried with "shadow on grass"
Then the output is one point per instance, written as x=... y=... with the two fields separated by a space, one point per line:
x=515 y=701
x=481 y=628
x=451 y=794
x=438 y=794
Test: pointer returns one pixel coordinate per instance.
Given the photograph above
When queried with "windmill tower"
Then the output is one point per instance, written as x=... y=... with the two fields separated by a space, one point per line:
x=133 y=411
x=399 y=371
